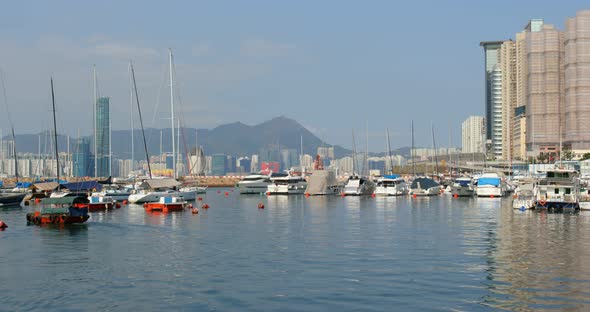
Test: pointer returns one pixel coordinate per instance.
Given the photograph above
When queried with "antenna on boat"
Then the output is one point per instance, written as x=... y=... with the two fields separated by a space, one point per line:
x=55 y=132
x=147 y=157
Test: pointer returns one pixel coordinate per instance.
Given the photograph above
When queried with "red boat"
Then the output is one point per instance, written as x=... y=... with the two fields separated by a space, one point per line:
x=166 y=204
x=99 y=203
x=64 y=210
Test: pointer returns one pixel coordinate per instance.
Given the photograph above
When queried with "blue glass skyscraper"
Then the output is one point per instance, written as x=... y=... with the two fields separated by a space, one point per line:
x=103 y=137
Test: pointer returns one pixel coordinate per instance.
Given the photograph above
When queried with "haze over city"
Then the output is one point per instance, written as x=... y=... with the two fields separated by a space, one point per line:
x=330 y=65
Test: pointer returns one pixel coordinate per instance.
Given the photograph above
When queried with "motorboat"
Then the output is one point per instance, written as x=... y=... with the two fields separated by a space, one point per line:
x=60 y=211
x=423 y=186
x=462 y=187
x=358 y=185
x=152 y=190
x=11 y=199
x=166 y=204
x=490 y=185
x=286 y=185
x=100 y=203
x=524 y=194
x=254 y=184
x=391 y=185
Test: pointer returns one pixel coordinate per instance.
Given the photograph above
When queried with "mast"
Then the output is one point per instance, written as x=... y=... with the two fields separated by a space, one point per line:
x=94 y=121
x=172 y=115
x=412 y=152
x=131 y=115
x=435 y=151
x=55 y=131
x=367 y=149
x=389 y=153
x=147 y=157
x=39 y=157
x=68 y=155
x=15 y=156
x=353 y=154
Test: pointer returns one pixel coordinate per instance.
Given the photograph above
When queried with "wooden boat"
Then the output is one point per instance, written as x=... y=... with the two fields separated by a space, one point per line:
x=64 y=210
x=166 y=204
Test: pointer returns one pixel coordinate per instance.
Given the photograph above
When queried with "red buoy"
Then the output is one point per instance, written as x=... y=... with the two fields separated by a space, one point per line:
x=37 y=200
x=267 y=193
x=118 y=205
x=200 y=198
x=373 y=195
x=190 y=206
x=306 y=194
x=491 y=196
x=455 y=195
x=342 y=194
x=414 y=195
x=125 y=202
x=195 y=210
x=3 y=225
x=260 y=205
x=205 y=206
x=226 y=194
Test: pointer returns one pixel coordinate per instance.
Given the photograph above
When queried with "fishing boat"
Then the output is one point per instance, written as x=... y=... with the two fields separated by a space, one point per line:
x=490 y=185
x=558 y=191
x=286 y=184
x=64 y=210
x=254 y=184
x=391 y=185
x=166 y=204
x=462 y=187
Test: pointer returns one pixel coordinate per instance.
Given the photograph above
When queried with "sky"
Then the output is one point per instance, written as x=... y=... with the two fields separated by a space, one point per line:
x=331 y=65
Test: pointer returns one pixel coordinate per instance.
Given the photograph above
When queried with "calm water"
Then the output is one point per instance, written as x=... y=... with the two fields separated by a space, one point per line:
x=302 y=254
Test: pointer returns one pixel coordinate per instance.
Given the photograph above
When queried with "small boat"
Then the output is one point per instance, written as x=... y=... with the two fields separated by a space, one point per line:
x=166 y=204
x=462 y=187
x=391 y=185
x=323 y=182
x=193 y=189
x=11 y=199
x=99 y=203
x=286 y=184
x=357 y=186
x=524 y=195
x=254 y=184
x=423 y=186
x=490 y=185
x=151 y=190
x=63 y=210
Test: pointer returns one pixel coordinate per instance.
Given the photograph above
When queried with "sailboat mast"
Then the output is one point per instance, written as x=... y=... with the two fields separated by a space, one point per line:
x=94 y=121
x=15 y=156
x=147 y=157
x=131 y=115
x=435 y=151
x=172 y=115
x=353 y=154
x=367 y=149
x=412 y=152
x=389 y=153
x=55 y=130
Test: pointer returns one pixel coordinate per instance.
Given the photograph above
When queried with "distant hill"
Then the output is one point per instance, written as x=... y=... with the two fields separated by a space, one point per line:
x=234 y=139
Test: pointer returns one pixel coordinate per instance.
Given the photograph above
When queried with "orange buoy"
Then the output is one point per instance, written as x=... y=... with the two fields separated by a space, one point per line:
x=37 y=200
x=118 y=205
x=125 y=202
x=373 y=195
x=3 y=225
x=195 y=210
x=205 y=206
x=455 y=195
x=267 y=193
x=260 y=205
x=200 y=198
x=414 y=195
x=491 y=196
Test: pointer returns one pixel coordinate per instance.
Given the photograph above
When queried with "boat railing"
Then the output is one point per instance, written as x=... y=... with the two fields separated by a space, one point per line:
x=552 y=181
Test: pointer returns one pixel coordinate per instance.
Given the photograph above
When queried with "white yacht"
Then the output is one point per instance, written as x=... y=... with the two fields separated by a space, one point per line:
x=463 y=187
x=254 y=184
x=490 y=185
x=391 y=185
x=423 y=186
x=114 y=191
x=358 y=185
x=151 y=191
x=286 y=184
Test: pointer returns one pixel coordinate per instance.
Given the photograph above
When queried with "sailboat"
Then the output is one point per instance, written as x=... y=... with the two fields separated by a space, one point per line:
x=391 y=184
x=421 y=185
x=64 y=210
x=358 y=185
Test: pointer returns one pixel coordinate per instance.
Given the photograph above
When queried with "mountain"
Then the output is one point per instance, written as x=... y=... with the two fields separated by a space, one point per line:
x=233 y=139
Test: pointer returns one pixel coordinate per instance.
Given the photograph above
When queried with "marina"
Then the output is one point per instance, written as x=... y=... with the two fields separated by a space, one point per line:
x=303 y=253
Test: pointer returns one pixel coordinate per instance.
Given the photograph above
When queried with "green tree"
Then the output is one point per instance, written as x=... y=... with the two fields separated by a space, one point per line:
x=585 y=156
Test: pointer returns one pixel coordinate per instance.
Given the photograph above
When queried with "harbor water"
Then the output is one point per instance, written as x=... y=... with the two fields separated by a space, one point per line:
x=301 y=254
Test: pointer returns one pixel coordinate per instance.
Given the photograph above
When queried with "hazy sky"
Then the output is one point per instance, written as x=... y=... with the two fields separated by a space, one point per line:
x=331 y=65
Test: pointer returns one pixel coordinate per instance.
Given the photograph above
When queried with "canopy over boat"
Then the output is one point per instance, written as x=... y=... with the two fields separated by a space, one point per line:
x=83 y=186
x=488 y=181
x=21 y=184
x=159 y=183
x=45 y=186
x=67 y=200
x=425 y=183
x=391 y=176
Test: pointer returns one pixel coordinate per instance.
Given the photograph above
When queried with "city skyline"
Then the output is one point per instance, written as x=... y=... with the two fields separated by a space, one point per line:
x=283 y=59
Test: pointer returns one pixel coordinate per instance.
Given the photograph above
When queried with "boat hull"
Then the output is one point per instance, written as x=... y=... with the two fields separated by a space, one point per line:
x=58 y=219
x=389 y=191
x=490 y=191
x=252 y=188
x=462 y=191
x=163 y=207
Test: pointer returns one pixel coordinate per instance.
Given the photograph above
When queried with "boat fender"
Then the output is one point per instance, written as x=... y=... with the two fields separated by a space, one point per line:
x=62 y=219
x=542 y=202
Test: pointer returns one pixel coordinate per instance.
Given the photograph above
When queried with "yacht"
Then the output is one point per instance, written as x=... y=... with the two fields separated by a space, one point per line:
x=462 y=187
x=559 y=190
x=286 y=185
x=254 y=184
x=423 y=186
x=114 y=191
x=391 y=185
x=490 y=185
x=358 y=185
x=151 y=190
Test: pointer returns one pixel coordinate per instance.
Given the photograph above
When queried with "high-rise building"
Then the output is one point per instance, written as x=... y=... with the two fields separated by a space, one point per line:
x=577 y=82
x=545 y=97
x=218 y=164
x=473 y=134
x=493 y=96
x=509 y=89
x=102 y=136
x=81 y=160
x=519 y=133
